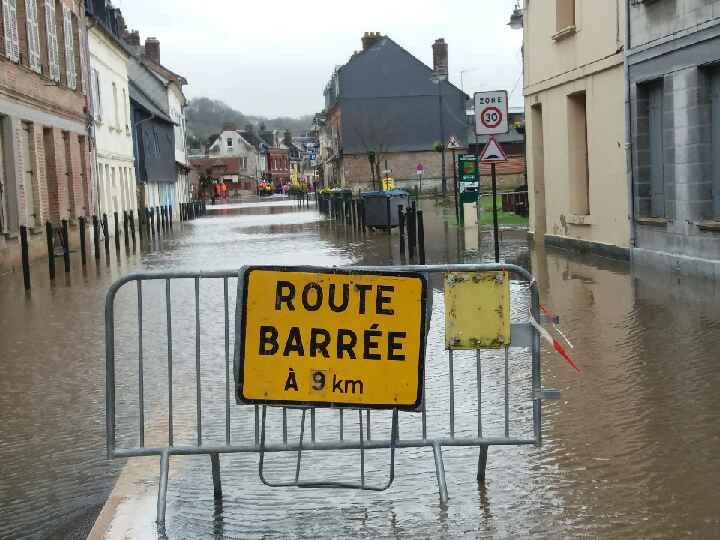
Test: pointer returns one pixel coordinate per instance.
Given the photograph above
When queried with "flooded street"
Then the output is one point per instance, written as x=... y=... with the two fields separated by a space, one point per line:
x=632 y=449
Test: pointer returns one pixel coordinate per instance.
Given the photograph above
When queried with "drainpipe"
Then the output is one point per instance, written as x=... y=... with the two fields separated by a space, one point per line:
x=628 y=126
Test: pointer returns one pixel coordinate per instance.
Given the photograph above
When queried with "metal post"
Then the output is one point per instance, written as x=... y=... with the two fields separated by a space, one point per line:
x=158 y=219
x=482 y=464
x=495 y=216
x=389 y=216
x=106 y=234
x=217 y=485
x=83 y=255
x=66 y=245
x=411 y=232
x=51 y=253
x=170 y=216
x=24 y=256
x=117 y=231
x=125 y=229
x=401 y=227
x=96 y=237
x=455 y=186
x=421 y=235
x=132 y=227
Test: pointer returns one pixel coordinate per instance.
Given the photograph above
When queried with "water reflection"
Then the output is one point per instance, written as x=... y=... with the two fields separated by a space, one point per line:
x=632 y=450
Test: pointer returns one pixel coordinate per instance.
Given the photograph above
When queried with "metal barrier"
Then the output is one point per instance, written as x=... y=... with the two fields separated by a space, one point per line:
x=523 y=335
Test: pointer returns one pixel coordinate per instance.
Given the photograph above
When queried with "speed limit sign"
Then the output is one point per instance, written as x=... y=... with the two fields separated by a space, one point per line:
x=491 y=113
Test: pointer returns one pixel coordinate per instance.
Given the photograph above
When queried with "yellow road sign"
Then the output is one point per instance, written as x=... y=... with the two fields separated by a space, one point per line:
x=388 y=183
x=477 y=310
x=332 y=337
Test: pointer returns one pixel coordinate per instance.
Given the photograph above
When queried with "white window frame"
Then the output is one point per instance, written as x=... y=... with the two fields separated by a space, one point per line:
x=97 y=96
x=71 y=72
x=33 y=35
x=12 y=41
x=52 y=40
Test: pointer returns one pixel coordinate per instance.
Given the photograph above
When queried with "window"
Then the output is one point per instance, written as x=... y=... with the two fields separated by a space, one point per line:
x=229 y=142
x=52 y=40
x=97 y=96
x=650 y=173
x=12 y=43
x=715 y=121
x=69 y=48
x=125 y=109
x=579 y=176
x=564 y=14
x=116 y=112
x=33 y=36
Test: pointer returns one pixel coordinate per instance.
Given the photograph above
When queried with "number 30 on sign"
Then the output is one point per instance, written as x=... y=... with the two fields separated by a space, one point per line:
x=332 y=337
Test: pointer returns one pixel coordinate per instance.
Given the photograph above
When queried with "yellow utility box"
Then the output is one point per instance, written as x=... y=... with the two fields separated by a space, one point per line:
x=477 y=310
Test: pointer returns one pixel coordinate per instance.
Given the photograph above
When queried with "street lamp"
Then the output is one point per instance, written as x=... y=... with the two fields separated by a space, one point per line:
x=516 y=19
x=438 y=79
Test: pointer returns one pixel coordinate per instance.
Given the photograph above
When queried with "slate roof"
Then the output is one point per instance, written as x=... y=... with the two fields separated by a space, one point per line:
x=142 y=99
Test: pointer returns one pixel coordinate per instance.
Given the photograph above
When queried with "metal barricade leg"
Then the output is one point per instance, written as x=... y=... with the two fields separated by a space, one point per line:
x=217 y=484
x=482 y=464
x=162 y=491
x=440 y=472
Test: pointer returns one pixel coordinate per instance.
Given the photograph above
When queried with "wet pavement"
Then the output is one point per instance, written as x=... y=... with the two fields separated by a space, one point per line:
x=632 y=450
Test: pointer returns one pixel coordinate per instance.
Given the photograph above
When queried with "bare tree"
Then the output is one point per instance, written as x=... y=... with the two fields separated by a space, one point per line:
x=376 y=134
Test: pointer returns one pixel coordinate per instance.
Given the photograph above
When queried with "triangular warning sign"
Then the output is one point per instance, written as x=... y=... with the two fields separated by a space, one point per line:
x=493 y=152
x=453 y=143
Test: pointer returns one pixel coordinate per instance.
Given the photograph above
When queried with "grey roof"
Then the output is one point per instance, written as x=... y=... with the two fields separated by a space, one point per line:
x=142 y=99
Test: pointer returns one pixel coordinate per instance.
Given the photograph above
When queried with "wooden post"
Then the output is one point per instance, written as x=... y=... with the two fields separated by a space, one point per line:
x=24 y=256
x=83 y=258
x=421 y=235
x=106 y=233
x=96 y=237
x=51 y=253
x=66 y=245
x=117 y=231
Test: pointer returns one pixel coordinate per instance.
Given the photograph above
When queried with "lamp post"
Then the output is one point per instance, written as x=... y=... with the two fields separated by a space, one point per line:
x=438 y=79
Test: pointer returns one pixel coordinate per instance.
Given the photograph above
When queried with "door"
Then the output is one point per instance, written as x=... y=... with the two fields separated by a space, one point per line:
x=655 y=132
x=28 y=174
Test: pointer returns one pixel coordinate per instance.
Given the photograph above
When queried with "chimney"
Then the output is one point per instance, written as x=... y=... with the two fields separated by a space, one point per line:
x=369 y=39
x=133 y=38
x=440 y=58
x=152 y=49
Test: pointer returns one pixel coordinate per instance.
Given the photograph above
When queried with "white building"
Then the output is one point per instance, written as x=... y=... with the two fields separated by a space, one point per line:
x=111 y=110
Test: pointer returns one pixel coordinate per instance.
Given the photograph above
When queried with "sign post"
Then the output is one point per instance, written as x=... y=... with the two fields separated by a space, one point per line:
x=491 y=118
x=454 y=145
x=419 y=170
x=492 y=153
x=332 y=337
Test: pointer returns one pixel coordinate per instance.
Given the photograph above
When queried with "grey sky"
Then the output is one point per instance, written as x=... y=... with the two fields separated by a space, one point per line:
x=274 y=58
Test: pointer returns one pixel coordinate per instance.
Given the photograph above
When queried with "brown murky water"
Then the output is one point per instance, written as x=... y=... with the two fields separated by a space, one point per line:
x=632 y=450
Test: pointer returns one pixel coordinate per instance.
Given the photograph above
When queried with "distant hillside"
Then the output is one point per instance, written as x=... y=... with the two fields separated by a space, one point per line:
x=206 y=116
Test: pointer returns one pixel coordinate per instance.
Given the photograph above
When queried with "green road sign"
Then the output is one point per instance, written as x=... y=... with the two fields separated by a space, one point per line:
x=467 y=168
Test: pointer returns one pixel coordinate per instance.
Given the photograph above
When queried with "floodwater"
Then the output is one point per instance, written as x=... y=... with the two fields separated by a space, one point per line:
x=631 y=450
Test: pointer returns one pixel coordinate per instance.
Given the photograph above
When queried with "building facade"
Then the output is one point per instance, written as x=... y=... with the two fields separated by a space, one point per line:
x=162 y=90
x=45 y=172
x=115 y=161
x=575 y=124
x=386 y=108
x=673 y=64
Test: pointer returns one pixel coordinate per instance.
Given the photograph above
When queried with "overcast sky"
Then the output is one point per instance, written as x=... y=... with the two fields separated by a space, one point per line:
x=273 y=58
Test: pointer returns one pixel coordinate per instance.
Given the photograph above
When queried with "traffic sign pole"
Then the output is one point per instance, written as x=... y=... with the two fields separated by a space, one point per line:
x=495 y=213
x=455 y=184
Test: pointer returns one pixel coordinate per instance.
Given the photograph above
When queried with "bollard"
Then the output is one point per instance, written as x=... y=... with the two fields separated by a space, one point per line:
x=82 y=241
x=126 y=236
x=151 y=221
x=411 y=232
x=131 y=216
x=117 y=231
x=66 y=245
x=401 y=227
x=158 y=220
x=106 y=233
x=51 y=254
x=96 y=237
x=389 y=216
x=170 y=212
x=163 y=214
x=24 y=256
x=362 y=215
x=421 y=235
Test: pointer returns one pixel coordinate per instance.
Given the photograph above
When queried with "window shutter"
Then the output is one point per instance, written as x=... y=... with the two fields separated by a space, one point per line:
x=83 y=59
x=52 y=40
x=31 y=20
x=12 y=43
x=69 y=49
x=97 y=97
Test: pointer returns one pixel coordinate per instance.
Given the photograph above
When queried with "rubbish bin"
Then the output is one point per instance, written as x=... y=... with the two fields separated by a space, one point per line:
x=382 y=207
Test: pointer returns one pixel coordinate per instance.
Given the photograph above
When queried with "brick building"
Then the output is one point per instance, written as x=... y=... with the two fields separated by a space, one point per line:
x=385 y=104
x=45 y=172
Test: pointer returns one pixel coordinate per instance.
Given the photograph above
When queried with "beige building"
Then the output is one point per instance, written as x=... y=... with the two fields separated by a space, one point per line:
x=575 y=115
